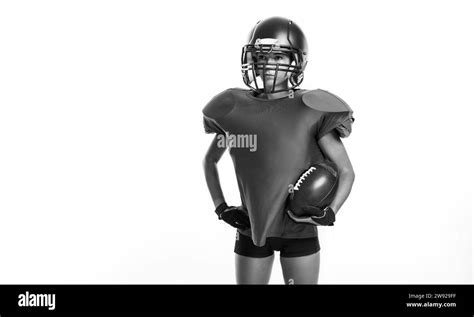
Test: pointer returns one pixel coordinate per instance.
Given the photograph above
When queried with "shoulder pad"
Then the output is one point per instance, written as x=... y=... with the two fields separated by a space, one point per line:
x=323 y=100
x=220 y=105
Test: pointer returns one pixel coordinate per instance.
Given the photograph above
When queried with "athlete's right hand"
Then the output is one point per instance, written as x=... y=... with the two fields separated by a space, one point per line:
x=234 y=216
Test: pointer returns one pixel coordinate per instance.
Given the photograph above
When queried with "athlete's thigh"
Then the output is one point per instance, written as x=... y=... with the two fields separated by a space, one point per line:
x=301 y=270
x=249 y=270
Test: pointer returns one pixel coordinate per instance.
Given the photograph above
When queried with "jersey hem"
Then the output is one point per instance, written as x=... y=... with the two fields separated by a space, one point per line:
x=291 y=236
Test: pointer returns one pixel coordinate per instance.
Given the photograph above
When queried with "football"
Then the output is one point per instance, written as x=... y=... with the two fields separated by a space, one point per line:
x=315 y=187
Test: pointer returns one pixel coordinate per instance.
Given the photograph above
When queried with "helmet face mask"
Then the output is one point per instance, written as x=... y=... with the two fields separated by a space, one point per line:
x=286 y=39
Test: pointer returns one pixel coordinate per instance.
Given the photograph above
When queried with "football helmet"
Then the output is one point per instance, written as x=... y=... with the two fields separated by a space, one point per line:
x=274 y=35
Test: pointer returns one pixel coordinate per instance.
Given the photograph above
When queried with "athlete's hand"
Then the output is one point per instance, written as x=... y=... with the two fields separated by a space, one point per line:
x=322 y=217
x=234 y=216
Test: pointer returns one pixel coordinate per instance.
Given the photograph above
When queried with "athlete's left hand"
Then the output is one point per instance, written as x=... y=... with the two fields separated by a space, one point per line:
x=325 y=217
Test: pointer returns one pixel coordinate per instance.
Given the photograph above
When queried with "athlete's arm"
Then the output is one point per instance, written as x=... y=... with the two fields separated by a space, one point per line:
x=213 y=155
x=333 y=148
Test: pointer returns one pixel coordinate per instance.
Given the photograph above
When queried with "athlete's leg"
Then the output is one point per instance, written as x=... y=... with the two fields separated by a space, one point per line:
x=300 y=260
x=301 y=270
x=253 y=270
x=253 y=265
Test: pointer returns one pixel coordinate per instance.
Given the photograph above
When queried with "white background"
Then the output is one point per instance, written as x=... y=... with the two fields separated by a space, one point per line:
x=101 y=138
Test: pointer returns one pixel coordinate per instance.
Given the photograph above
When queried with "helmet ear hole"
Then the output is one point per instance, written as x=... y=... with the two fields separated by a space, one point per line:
x=296 y=79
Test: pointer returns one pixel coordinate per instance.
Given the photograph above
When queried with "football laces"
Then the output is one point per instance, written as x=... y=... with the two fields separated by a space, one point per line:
x=303 y=177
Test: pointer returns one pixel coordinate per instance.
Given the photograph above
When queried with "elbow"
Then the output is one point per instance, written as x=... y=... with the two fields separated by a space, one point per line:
x=347 y=173
x=352 y=177
x=208 y=161
x=205 y=162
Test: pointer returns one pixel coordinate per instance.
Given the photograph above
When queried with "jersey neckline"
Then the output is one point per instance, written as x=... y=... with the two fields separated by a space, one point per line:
x=250 y=95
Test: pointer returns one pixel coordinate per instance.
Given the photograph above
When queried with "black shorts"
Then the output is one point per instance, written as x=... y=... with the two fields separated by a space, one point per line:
x=288 y=247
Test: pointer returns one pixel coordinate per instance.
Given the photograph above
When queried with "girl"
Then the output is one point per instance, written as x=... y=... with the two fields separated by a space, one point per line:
x=293 y=129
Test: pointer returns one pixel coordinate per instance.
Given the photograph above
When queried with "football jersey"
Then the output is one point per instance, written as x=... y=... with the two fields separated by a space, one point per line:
x=284 y=134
